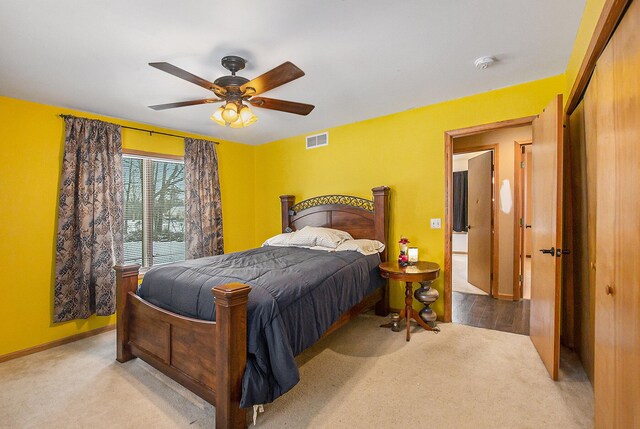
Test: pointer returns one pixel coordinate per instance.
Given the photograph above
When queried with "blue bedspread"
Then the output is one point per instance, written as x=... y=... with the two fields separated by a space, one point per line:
x=296 y=295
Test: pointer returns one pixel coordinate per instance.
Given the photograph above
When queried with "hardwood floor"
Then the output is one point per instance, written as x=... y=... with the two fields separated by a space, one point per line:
x=485 y=312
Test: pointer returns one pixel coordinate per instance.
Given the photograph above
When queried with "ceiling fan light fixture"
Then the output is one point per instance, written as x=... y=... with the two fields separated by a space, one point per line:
x=247 y=116
x=217 y=117
x=244 y=117
x=238 y=123
x=230 y=112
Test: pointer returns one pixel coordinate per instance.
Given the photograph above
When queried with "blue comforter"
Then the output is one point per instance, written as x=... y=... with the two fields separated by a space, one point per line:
x=296 y=295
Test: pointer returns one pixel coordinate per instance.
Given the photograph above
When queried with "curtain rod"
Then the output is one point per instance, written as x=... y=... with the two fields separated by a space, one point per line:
x=151 y=132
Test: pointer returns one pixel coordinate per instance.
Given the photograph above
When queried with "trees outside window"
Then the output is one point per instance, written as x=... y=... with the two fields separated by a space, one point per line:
x=153 y=210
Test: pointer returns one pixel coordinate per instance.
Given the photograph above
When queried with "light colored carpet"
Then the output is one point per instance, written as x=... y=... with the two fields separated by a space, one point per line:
x=361 y=376
x=459 y=269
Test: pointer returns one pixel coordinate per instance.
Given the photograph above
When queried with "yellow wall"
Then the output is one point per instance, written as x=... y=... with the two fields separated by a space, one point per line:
x=592 y=12
x=31 y=144
x=404 y=151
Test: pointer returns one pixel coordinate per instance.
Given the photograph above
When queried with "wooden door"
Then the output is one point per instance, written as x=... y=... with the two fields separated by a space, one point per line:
x=612 y=122
x=523 y=176
x=520 y=218
x=480 y=225
x=546 y=234
x=528 y=211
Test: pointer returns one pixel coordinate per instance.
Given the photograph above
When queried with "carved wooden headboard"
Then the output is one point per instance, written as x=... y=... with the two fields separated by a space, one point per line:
x=359 y=217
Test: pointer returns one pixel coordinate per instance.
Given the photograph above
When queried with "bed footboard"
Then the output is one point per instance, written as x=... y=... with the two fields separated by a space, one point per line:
x=208 y=358
x=126 y=281
x=231 y=353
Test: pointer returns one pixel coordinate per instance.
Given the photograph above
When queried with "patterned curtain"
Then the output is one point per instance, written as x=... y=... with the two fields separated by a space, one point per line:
x=90 y=223
x=203 y=207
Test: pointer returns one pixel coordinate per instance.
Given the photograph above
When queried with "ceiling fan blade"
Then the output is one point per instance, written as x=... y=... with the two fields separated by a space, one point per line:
x=282 y=105
x=183 y=74
x=184 y=103
x=285 y=72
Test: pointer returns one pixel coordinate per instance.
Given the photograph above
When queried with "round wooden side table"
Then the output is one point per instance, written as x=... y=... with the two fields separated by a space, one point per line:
x=423 y=272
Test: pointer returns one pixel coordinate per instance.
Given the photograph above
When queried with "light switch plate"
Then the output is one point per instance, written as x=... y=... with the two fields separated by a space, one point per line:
x=436 y=223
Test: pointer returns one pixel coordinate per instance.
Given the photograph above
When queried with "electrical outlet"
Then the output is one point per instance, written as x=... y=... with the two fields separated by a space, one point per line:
x=435 y=223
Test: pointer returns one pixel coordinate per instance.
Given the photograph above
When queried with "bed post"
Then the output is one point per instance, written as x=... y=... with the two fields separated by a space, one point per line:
x=286 y=201
x=126 y=281
x=381 y=225
x=231 y=353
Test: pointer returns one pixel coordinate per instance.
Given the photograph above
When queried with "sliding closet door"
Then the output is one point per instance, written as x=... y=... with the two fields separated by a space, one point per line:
x=613 y=99
x=546 y=227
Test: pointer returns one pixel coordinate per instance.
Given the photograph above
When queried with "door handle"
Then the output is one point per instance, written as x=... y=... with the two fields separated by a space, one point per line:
x=551 y=251
x=560 y=252
x=468 y=226
x=527 y=226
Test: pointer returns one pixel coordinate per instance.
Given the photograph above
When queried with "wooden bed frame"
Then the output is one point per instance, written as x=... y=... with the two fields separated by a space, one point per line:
x=209 y=358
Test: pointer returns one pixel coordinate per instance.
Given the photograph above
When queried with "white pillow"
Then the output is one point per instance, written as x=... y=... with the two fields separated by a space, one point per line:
x=362 y=245
x=311 y=236
x=326 y=249
x=279 y=240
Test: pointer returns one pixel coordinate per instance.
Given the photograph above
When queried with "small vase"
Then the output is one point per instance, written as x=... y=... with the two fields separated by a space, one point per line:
x=427 y=296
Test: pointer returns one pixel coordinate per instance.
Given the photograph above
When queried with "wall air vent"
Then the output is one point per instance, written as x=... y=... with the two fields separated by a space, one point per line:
x=317 y=140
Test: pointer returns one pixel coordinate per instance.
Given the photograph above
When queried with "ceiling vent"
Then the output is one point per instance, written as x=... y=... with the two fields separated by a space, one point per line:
x=317 y=140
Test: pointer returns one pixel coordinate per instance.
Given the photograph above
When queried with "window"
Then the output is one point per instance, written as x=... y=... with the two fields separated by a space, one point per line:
x=153 y=210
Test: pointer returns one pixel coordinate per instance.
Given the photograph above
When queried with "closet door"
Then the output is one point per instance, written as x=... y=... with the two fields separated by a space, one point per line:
x=613 y=99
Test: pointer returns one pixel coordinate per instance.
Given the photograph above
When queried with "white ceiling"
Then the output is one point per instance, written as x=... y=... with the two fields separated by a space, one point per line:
x=362 y=59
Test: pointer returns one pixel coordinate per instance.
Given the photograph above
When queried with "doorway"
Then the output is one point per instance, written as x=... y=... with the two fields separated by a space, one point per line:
x=547 y=228
x=523 y=202
x=473 y=221
x=498 y=306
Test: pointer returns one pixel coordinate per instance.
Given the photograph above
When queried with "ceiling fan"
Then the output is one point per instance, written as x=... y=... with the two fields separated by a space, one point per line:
x=236 y=90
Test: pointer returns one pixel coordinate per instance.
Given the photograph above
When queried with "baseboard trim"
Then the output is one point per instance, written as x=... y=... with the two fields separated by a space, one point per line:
x=56 y=343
